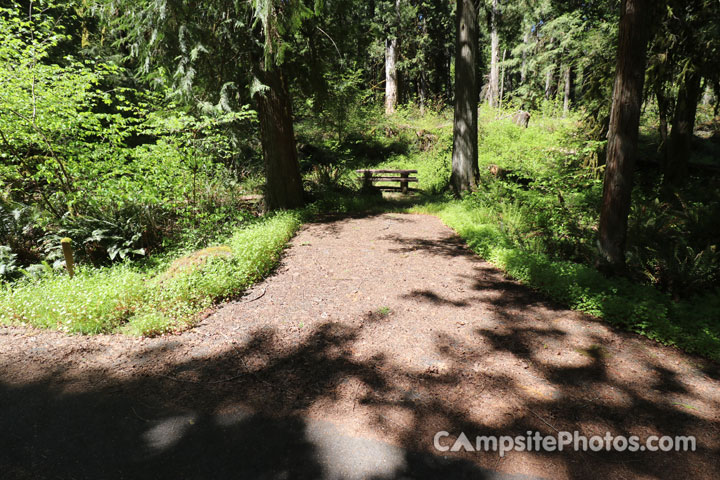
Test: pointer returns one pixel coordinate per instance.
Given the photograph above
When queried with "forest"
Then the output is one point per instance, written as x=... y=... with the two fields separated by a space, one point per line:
x=355 y=239
x=179 y=145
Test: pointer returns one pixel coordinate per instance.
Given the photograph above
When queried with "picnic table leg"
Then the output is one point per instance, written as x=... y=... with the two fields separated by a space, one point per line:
x=367 y=180
x=404 y=183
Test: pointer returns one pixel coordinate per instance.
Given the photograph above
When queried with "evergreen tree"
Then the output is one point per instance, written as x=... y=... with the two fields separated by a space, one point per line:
x=219 y=56
x=623 y=134
x=465 y=170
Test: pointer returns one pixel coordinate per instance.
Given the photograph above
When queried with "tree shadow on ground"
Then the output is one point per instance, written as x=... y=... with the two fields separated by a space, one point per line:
x=203 y=419
x=450 y=246
x=257 y=408
x=241 y=414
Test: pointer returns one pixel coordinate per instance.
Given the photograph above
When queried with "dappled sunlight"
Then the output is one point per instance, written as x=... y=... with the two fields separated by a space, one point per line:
x=326 y=377
x=168 y=432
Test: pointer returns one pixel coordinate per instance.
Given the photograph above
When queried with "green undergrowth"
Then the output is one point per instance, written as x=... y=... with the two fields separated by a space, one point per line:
x=538 y=225
x=692 y=324
x=536 y=221
x=138 y=300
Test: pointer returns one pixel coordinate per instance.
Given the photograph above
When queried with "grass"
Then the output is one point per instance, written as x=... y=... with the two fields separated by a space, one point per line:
x=691 y=324
x=95 y=300
x=542 y=235
x=126 y=299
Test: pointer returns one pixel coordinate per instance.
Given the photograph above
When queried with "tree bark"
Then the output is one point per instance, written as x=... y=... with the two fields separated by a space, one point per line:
x=277 y=135
x=391 y=75
x=494 y=87
x=568 y=90
x=422 y=92
x=391 y=80
x=623 y=133
x=662 y=102
x=465 y=170
x=502 y=80
x=82 y=13
x=675 y=168
x=579 y=84
x=559 y=84
x=707 y=93
x=548 y=82
x=523 y=65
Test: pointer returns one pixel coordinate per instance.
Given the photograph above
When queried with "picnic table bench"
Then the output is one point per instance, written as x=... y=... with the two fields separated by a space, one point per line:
x=373 y=176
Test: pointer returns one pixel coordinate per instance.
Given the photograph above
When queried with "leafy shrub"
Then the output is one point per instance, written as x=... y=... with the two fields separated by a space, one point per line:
x=125 y=298
x=673 y=244
x=82 y=153
x=8 y=263
x=692 y=324
x=20 y=230
x=326 y=178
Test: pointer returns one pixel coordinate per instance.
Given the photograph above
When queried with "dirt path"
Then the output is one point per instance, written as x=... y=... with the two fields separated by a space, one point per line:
x=388 y=329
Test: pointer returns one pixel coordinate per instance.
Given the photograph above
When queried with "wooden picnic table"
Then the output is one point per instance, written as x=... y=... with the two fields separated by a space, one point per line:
x=370 y=176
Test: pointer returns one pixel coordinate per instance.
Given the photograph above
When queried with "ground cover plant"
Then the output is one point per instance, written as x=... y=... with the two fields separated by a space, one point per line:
x=162 y=157
x=142 y=300
x=536 y=220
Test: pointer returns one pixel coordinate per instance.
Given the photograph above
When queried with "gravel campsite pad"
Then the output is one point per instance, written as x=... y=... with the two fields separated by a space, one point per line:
x=386 y=328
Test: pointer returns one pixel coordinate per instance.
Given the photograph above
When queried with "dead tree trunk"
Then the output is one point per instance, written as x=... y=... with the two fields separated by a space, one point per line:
x=623 y=133
x=391 y=75
x=277 y=135
x=465 y=170
x=494 y=87
x=391 y=80
x=675 y=168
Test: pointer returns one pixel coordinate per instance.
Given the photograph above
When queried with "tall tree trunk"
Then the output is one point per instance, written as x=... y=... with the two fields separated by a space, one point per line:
x=579 y=84
x=548 y=82
x=560 y=82
x=675 y=168
x=494 y=87
x=422 y=92
x=450 y=84
x=421 y=84
x=277 y=135
x=465 y=170
x=707 y=92
x=439 y=85
x=391 y=80
x=523 y=65
x=662 y=102
x=82 y=13
x=568 y=90
x=391 y=75
x=502 y=80
x=623 y=134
